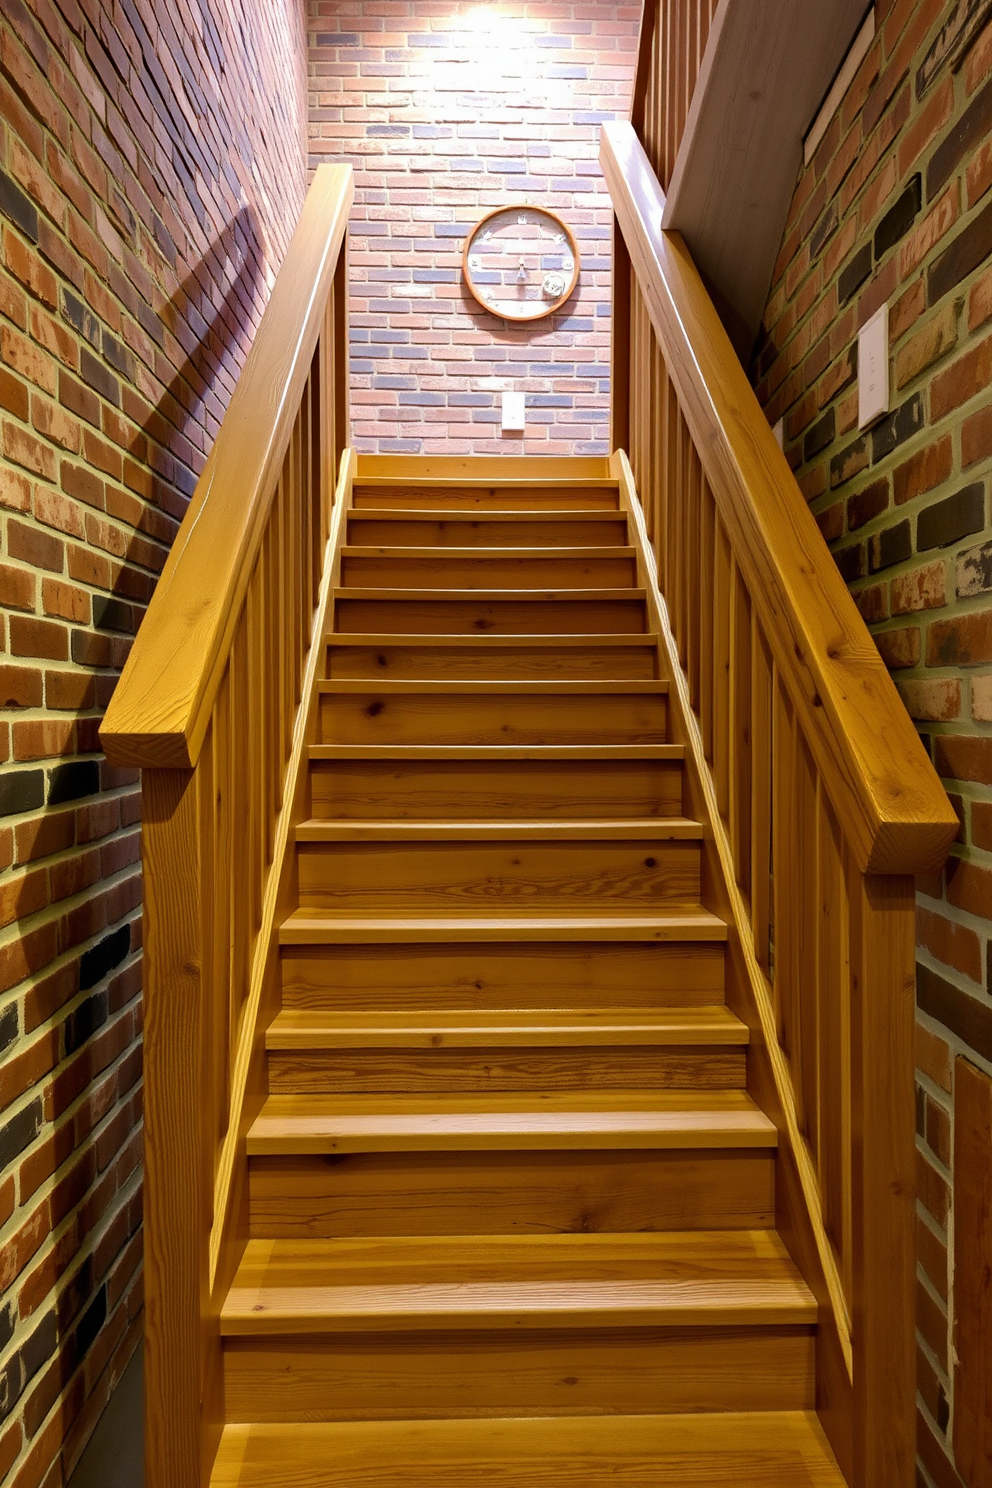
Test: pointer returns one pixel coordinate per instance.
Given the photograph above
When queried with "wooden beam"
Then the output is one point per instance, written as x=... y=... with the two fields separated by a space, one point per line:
x=765 y=70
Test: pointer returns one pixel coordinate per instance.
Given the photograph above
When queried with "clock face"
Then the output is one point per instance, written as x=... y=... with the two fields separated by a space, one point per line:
x=521 y=262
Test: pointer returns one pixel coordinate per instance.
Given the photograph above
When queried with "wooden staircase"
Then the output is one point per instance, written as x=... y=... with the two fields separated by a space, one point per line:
x=512 y=1208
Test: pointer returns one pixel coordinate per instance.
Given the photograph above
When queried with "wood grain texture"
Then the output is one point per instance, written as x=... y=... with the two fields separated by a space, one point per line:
x=162 y=704
x=698 y=1279
x=772 y=1450
x=182 y=1358
x=880 y=780
x=606 y=1190
x=665 y=1119
x=506 y=1372
x=763 y=73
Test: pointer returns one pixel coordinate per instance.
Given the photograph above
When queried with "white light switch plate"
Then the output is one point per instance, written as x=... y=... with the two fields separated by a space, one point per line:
x=513 y=410
x=873 y=368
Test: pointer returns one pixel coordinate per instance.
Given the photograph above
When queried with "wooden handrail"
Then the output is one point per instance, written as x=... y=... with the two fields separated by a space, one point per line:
x=161 y=707
x=896 y=816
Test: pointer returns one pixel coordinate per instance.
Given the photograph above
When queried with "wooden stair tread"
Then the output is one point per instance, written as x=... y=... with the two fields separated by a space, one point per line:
x=487 y=483
x=469 y=687
x=305 y=1029
x=689 y=1279
x=669 y=1119
x=385 y=639
x=306 y=927
x=473 y=514
x=754 y=1449
x=653 y=829
x=506 y=752
x=489 y=596
x=485 y=555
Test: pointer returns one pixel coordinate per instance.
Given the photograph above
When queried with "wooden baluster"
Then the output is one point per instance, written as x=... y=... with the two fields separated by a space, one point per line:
x=741 y=735
x=659 y=480
x=784 y=828
x=707 y=541
x=697 y=579
x=620 y=345
x=340 y=381
x=762 y=685
x=883 y=1010
x=721 y=599
x=833 y=972
x=805 y=1050
x=239 y=779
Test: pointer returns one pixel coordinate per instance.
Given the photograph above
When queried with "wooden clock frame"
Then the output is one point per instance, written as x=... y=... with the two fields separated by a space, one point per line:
x=576 y=262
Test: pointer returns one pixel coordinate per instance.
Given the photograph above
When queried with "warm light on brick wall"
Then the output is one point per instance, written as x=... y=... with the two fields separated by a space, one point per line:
x=447 y=109
x=149 y=177
x=895 y=207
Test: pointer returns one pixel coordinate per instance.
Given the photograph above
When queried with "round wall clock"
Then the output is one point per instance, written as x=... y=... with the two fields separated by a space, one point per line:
x=521 y=262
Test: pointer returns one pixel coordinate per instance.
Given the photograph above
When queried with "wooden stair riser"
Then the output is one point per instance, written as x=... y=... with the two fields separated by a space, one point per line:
x=603 y=497
x=512 y=570
x=486 y=790
x=488 y=661
x=535 y=1193
x=489 y=1373
x=566 y=530
x=435 y=615
x=493 y=718
x=464 y=879
x=456 y=1071
x=554 y=974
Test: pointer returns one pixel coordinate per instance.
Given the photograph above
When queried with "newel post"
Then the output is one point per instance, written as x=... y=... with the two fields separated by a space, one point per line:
x=883 y=1182
x=181 y=1349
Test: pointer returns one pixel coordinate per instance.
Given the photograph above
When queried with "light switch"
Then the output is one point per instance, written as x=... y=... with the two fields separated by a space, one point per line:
x=873 y=368
x=514 y=416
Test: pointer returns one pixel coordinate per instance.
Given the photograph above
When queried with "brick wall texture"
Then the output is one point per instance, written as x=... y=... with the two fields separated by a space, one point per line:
x=447 y=109
x=896 y=207
x=152 y=164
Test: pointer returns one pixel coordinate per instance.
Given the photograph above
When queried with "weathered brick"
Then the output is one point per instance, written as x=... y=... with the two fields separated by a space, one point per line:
x=961 y=640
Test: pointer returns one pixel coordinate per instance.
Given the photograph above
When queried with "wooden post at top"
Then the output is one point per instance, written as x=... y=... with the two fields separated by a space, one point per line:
x=884 y=1316
x=182 y=1356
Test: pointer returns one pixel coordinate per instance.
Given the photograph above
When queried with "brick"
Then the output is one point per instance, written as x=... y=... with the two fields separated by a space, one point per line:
x=927 y=234
x=926 y=346
x=962 y=640
x=971 y=127
x=964 y=757
x=932 y=700
x=855 y=274
x=947 y=521
x=900 y=647
x=899 y=218
x=957 y=946
x=966 y=377
x=849 y=462
x=923 y=589
x=981 y=699
x=973 y=571
x=898 y=426
x=867 y=504
x=961 y=257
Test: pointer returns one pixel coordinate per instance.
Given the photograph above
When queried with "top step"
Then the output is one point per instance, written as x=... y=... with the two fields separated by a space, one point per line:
x=422 y=494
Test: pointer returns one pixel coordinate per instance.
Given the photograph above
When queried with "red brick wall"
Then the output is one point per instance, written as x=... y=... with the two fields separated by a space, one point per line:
x=447 y=109
x=896 y=207
x=151 y=168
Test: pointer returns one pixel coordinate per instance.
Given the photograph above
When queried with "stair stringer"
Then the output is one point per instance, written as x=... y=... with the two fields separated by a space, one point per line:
x=799 y=1217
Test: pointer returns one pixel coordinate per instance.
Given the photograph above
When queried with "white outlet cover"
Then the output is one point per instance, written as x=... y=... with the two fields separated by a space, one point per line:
x=513 y=406
x=873 y=368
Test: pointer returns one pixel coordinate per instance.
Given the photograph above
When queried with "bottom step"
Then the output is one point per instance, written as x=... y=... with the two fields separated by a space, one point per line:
x=753 y=1450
